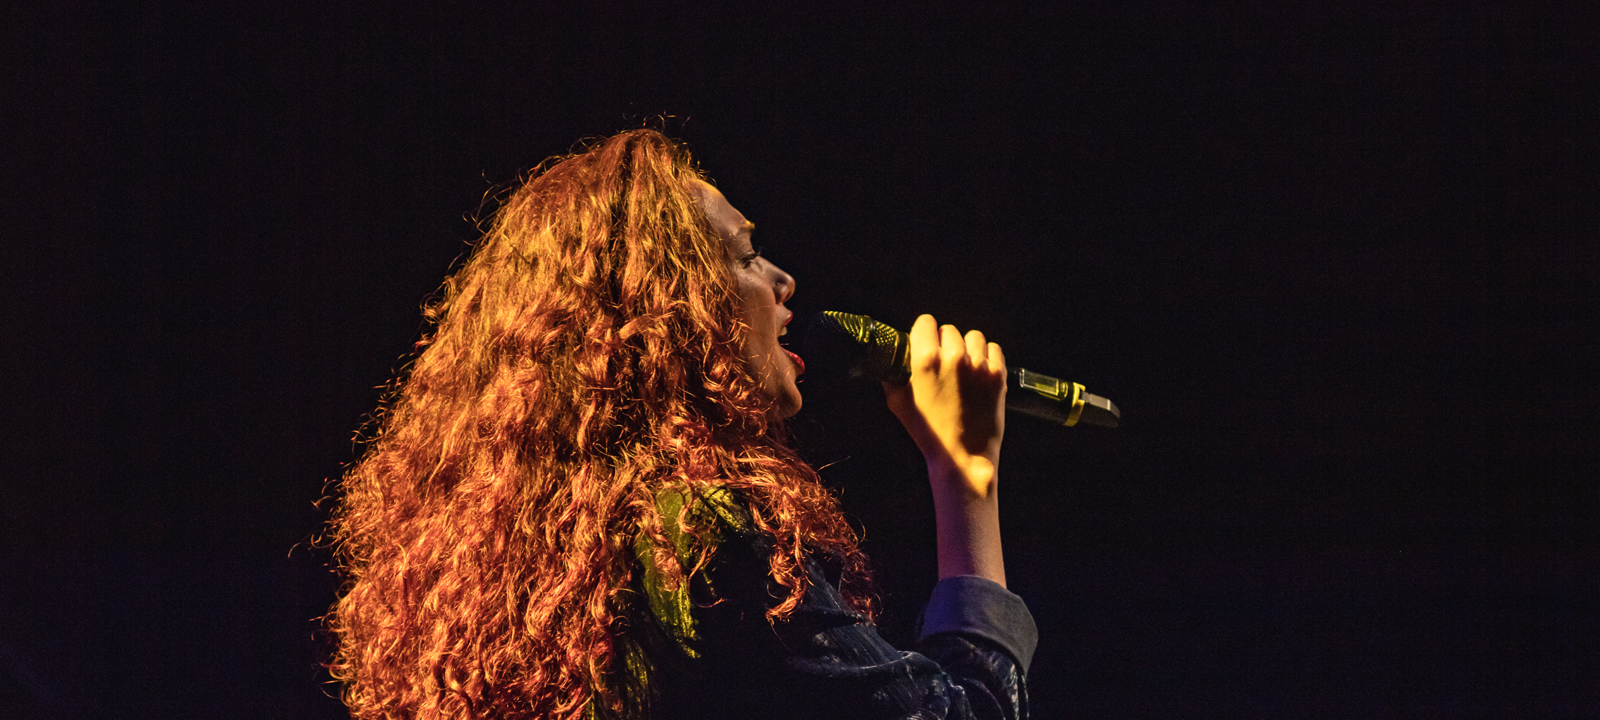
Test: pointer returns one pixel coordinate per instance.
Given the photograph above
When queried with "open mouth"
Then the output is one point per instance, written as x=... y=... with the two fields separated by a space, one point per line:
x=799 y=364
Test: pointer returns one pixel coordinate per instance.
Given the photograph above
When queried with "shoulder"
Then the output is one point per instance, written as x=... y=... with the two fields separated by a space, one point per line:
x=703 y=528
x=717 y=509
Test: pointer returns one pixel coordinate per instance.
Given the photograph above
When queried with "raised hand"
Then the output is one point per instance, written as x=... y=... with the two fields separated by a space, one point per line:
x=954 y=408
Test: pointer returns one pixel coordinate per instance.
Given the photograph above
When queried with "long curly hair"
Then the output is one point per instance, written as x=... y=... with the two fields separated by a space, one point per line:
x=583 y=361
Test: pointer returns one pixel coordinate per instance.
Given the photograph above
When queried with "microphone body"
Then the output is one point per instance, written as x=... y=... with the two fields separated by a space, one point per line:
x=870 y=350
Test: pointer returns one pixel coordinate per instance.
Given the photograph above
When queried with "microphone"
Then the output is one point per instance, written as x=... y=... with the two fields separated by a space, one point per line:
x=870 y=350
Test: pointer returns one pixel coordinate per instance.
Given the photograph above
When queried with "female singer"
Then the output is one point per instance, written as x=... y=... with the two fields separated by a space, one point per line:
x=579 y=501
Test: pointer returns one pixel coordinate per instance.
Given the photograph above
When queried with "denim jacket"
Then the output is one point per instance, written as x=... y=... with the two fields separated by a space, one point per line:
x=707 y=650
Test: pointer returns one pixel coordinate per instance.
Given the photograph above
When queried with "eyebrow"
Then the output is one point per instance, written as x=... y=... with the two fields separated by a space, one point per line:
x=748 y=227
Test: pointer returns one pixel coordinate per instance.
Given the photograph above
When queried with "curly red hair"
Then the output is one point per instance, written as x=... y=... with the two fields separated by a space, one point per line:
x=585 y=360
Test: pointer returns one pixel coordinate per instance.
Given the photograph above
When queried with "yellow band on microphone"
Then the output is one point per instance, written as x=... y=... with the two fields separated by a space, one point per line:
x=1077 y=405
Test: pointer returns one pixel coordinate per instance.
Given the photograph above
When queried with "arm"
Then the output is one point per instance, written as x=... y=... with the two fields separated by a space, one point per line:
x=828 y=661
x=954 y=408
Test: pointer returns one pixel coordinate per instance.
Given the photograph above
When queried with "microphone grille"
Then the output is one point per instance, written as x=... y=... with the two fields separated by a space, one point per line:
x=864 y=348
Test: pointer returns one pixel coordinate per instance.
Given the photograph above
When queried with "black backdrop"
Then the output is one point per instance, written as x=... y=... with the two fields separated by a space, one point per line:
x=1335 y=266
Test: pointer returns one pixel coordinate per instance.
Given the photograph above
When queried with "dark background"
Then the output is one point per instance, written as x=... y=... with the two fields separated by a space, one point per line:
x=1336 y=267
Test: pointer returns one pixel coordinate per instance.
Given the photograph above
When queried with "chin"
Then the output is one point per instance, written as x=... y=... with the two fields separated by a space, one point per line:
x=789 y=404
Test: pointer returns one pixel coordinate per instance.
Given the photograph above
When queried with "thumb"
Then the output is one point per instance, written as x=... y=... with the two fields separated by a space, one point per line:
x=900 y=400
x=903 y=404
x=898 y=395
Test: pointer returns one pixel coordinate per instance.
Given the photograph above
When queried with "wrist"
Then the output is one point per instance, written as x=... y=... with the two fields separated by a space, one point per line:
x=974 y=477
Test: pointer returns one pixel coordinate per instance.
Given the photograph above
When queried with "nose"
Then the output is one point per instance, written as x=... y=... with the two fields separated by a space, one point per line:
x=783 y=283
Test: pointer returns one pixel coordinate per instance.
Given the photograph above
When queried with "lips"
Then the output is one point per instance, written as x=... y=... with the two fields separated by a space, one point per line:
x=798 y=363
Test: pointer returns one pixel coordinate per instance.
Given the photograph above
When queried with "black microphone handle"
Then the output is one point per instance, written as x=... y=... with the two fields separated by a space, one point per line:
x=1058 y=401
x=869 y=349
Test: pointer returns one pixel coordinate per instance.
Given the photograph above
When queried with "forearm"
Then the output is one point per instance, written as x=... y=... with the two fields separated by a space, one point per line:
x=954 y=408
x=967 y=516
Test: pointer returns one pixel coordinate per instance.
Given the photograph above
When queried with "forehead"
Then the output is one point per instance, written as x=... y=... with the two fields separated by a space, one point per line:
x=727 y=220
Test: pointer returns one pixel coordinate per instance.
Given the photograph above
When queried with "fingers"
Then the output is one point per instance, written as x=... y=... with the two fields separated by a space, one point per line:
x=925 y=343
x=934 y=345
x=997 y=359
x=977 y=348
x=951 y=347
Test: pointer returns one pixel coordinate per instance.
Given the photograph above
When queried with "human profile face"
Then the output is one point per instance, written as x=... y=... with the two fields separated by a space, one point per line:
x=763 y=289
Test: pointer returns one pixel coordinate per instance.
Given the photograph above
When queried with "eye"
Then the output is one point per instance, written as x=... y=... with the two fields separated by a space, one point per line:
x=749 y=258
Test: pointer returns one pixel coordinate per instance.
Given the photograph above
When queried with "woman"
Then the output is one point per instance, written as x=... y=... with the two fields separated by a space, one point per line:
x=579 y=502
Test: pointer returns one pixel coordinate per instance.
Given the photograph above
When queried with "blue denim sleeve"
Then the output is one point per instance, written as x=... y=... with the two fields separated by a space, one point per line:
x=827 y=660
x=967 y=618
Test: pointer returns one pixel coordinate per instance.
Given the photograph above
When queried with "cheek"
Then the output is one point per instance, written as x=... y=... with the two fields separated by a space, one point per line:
x=755 y=301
